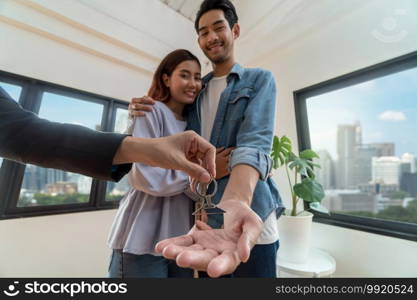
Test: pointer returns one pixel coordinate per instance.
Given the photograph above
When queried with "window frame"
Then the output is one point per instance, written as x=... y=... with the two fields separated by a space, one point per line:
x=103 y=188
x=12 y=173
x=407 y=231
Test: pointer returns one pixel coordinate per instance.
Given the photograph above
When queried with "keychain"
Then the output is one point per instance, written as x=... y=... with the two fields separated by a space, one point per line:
x=205 y=206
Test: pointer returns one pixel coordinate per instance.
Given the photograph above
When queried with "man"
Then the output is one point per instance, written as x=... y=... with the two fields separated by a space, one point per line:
x=28 y=139
x=236 y=108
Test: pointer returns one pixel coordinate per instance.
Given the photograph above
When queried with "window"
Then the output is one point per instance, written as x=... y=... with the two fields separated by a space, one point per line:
x=116 y=190
x=13 y=90
x=28 y=190
x=122 y=120
x=42 y=186
x=362 y=126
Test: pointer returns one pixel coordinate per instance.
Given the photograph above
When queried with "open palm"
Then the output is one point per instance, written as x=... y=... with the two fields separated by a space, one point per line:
x=216 y=251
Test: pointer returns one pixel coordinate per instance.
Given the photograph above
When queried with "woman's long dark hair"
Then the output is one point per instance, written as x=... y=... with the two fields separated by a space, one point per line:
x=158 y=90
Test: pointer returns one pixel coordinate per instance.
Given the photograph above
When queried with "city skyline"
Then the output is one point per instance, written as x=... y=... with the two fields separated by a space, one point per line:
x=385 y=107
x=363 y=145
x=358 y=163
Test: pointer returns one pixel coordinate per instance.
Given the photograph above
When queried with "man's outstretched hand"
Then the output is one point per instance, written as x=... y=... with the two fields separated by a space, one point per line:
x=216 y=251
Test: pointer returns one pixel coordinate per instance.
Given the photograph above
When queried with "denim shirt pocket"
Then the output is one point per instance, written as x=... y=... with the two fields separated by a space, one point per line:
x=237 y=105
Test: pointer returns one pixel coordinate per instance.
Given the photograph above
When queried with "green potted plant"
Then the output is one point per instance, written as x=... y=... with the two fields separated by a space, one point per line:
x=295 y=225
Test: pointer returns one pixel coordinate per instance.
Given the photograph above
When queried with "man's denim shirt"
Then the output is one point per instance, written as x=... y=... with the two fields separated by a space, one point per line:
x=245 y=119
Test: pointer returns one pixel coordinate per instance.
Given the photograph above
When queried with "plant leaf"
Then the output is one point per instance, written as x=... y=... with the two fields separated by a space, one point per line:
x=281 y=149
x=311 y=174
x=309 y=190
x=302 y=166
x=308 y=154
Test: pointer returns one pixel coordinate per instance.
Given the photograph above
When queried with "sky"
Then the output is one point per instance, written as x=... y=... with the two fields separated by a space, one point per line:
x=64 y=109
x=71 y=110
x=386 y=108
x=12 y=90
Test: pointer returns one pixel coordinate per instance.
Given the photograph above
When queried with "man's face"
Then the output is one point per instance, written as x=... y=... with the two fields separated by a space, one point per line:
x=215 y=37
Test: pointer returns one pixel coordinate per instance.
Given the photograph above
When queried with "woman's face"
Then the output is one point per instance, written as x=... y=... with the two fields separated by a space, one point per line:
x=184 y=82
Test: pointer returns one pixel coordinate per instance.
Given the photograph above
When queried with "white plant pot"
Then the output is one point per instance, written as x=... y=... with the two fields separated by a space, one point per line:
x=295 y=237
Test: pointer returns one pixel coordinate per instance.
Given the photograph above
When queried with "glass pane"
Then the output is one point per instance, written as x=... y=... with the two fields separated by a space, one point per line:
x=14 y=92
x=116 y=190
x=49 y=186
x=364 y=135
x=122 y=120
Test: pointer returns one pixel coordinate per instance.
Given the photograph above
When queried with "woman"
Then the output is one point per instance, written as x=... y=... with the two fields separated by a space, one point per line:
x=156 y=207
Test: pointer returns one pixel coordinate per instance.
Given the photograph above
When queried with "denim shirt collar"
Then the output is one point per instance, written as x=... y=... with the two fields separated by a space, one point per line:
x=236 y=70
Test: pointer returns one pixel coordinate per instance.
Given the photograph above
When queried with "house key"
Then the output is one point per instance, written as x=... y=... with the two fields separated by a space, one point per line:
x=206 y=207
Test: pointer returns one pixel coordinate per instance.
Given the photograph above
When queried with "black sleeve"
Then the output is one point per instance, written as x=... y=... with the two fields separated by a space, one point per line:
x=26 y=138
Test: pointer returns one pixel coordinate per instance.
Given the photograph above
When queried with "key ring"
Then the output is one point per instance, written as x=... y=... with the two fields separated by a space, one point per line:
x=206 y=207
x=203 y=194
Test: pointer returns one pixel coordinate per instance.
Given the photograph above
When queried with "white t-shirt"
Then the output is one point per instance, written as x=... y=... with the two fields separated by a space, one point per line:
x=209 y=104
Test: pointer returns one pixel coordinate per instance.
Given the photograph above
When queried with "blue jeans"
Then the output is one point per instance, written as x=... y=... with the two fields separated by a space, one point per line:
x=261 y=264
x=127 y=265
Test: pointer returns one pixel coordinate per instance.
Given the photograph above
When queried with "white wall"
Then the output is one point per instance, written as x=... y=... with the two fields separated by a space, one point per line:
x=362 y=254
x=70 y=245
x=327 y=51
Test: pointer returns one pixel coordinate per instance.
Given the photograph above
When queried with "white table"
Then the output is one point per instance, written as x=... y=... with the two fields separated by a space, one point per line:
x=319 y=264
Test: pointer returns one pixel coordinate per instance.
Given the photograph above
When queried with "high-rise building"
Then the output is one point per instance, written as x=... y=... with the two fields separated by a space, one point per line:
x=411 y=159
x=383 y=149
x=53 y=176
x=84 y=184
x=363 y=164
x=405 y=167
x=348 y=138
x=30 y=179
x=41 y=174
x=409 y=183
x=36 y=178
x=325 y=174
x=386 y=169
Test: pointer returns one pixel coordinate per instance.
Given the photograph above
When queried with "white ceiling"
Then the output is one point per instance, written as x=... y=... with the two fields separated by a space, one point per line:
x=187 y=8
x=267 y=25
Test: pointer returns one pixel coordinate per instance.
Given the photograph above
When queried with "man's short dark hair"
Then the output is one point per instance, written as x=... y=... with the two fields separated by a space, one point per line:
x=225 y=5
